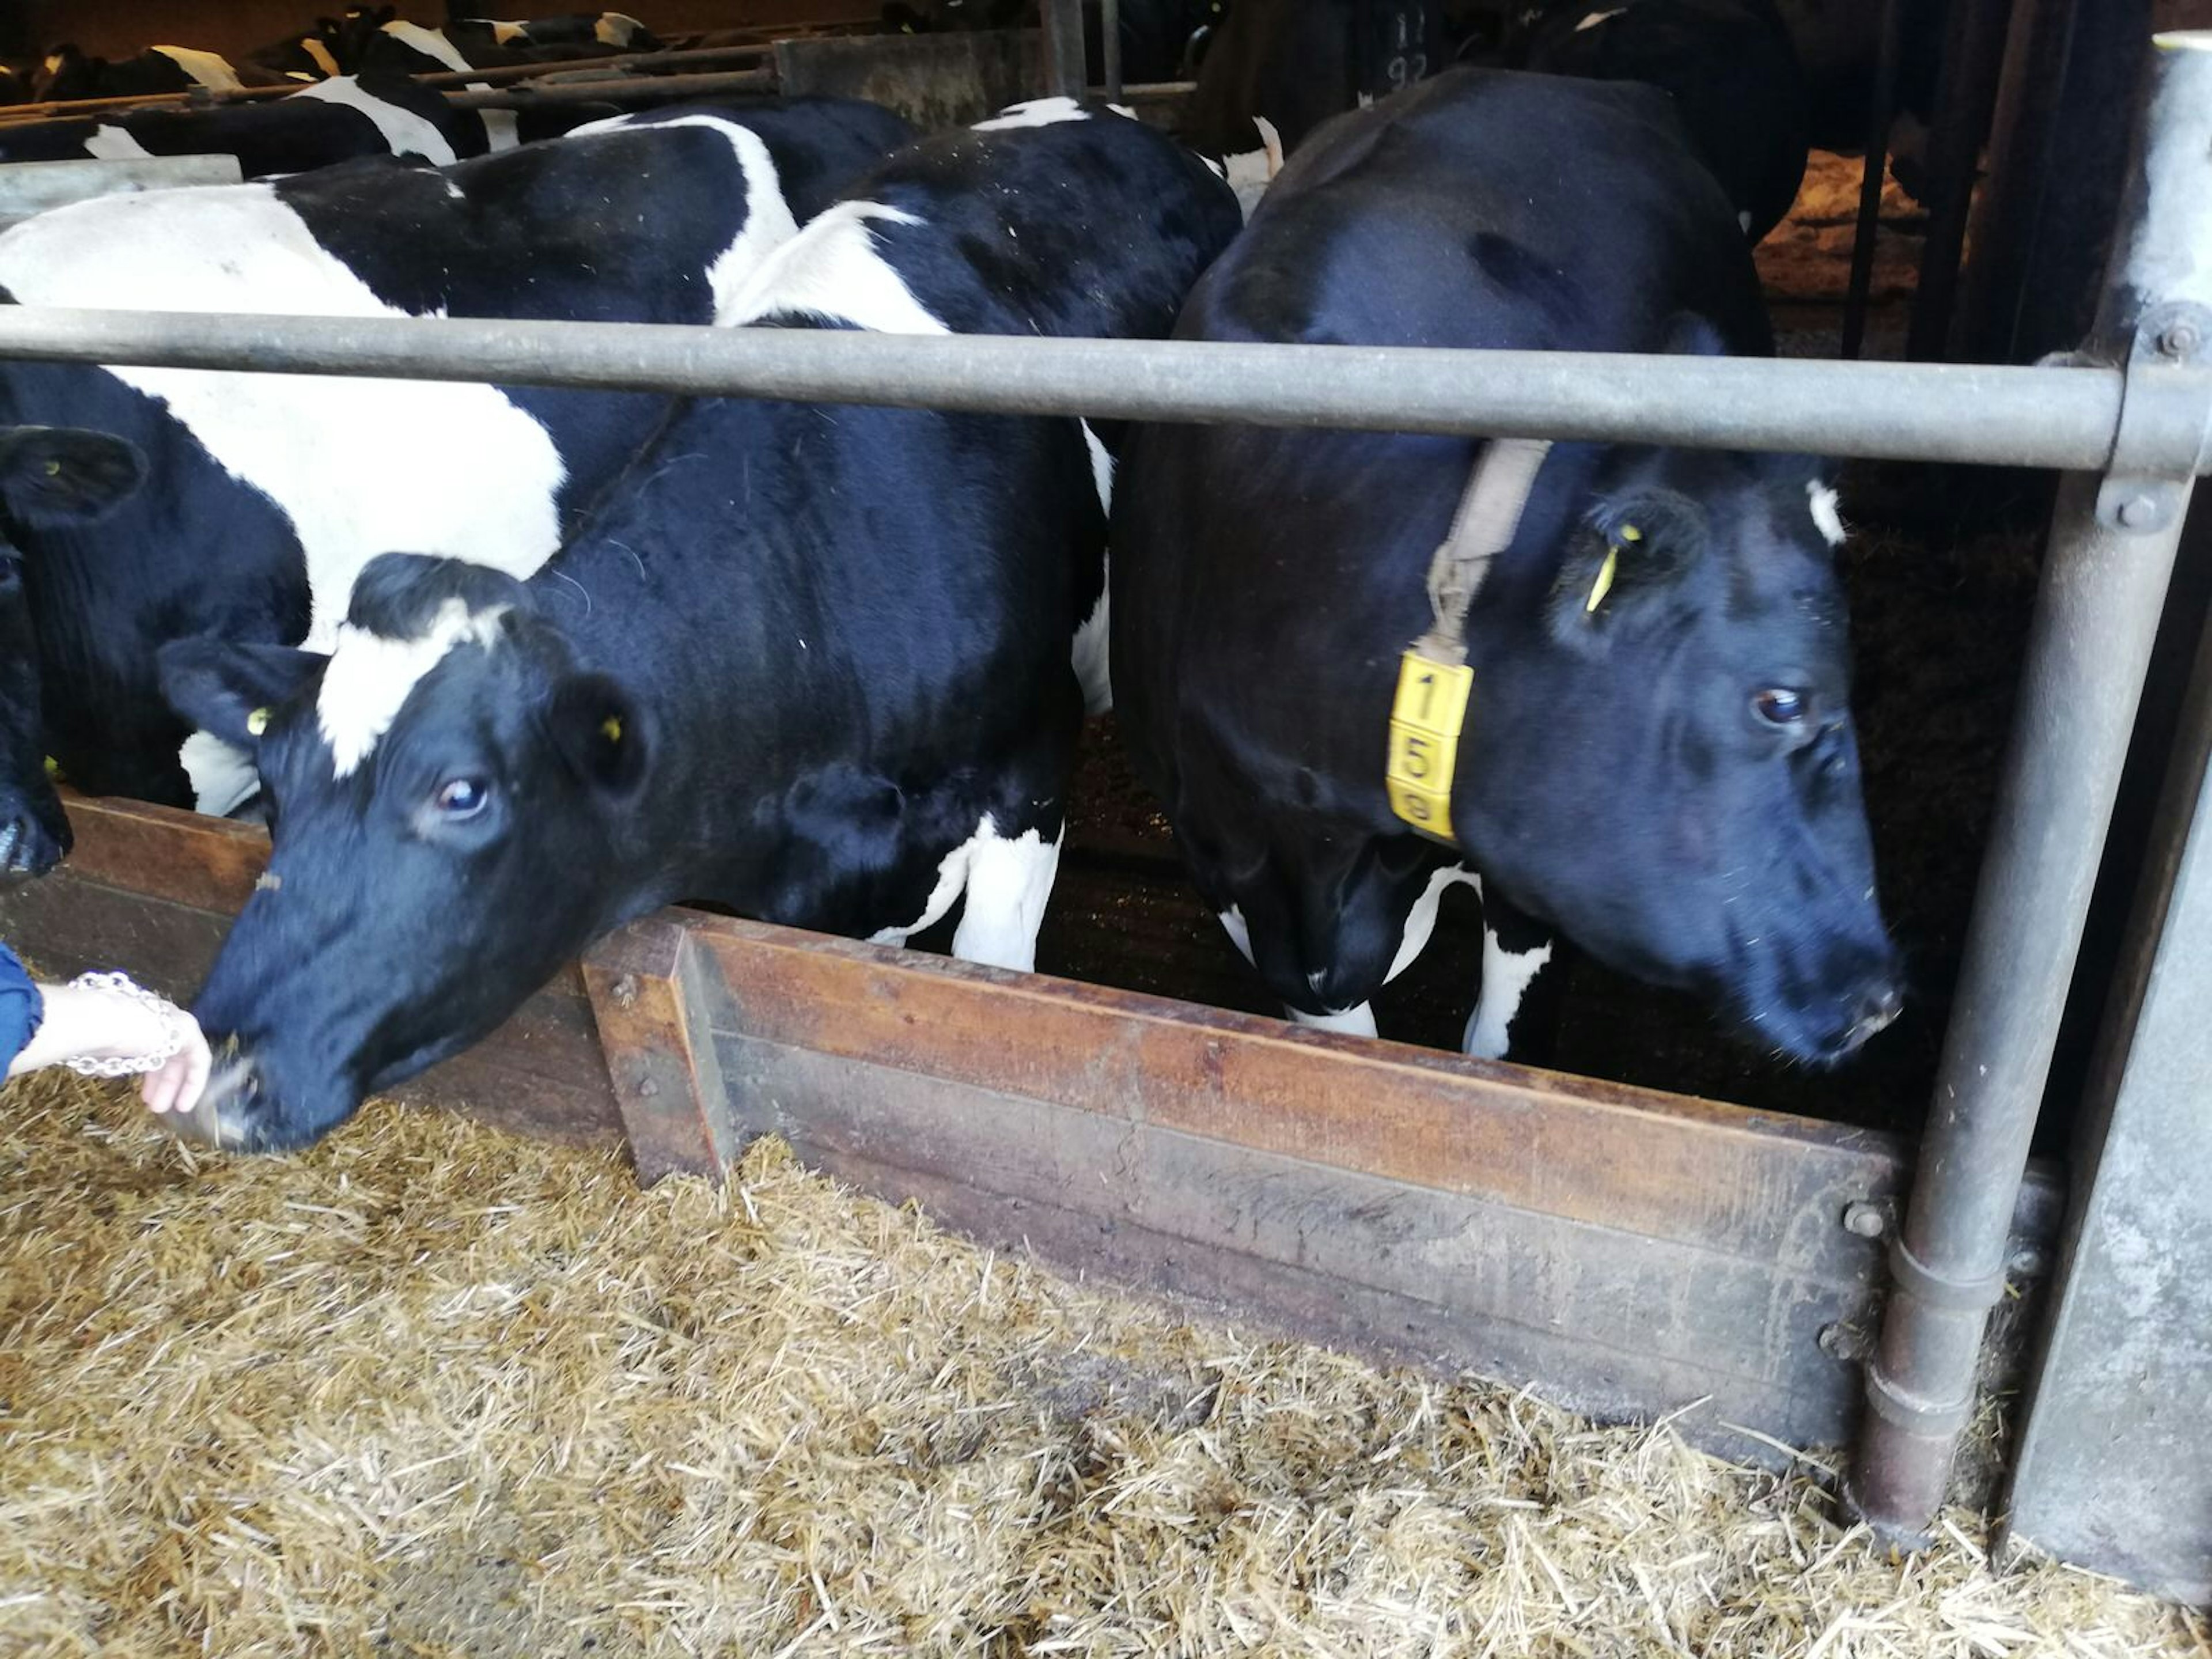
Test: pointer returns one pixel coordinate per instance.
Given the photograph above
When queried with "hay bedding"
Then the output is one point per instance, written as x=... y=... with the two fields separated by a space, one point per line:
x=432 y=1390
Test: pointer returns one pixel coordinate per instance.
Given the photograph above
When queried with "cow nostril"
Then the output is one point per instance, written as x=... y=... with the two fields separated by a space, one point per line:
x=1878 y=1010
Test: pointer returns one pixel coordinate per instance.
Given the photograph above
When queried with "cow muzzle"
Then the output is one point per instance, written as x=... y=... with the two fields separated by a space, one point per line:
x=32 y=840
x=242 y=1111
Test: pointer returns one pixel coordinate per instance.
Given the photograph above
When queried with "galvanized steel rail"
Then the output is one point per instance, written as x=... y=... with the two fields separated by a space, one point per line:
x=2065 y=418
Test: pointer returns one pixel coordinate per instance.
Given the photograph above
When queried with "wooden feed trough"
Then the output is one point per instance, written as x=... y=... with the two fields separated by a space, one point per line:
x=1631 y=1252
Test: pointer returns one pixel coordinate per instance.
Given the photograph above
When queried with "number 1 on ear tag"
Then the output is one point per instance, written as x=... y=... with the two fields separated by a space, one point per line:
x=1426 y=720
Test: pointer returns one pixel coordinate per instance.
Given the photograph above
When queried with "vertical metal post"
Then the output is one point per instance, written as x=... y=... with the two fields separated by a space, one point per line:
x=1063 y=46
x=2111 y=550
x=1109 y=46
x=1880 y=115
x=1972 y=60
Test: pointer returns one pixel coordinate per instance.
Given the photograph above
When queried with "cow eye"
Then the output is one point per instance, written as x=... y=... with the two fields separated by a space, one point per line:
x=1777 y=705
x=463 y=798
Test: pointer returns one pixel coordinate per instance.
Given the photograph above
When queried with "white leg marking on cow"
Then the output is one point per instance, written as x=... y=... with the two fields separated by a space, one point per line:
x=204 y=67
x=1239 y=935
x=221 y=776
x=1826 y=517
x=109 y=143
x=370 y=677
x=768 y=221
x=236 y=247
x=1008 y=883
x=1598 y=17
x=500 y=130
x=1358 y=1021
x=1421 y=920
x=1035 y=113
x=431 y=43
x=402 y=129
x=832 y=270
x=1506 y=977
x=319 y=55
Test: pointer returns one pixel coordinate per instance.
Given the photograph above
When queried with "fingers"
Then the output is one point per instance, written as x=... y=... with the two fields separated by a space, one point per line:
x=178 y=1085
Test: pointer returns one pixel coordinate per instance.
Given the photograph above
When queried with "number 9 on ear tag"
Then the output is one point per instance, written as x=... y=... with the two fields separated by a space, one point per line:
x=1426 y=720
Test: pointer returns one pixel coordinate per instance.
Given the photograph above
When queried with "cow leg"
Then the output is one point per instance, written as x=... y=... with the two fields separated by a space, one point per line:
x=1516 y=1012
x=1009 y=879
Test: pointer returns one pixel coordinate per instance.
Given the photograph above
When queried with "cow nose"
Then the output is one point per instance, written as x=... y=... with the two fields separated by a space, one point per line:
x=27 y=848
x=224 y=1116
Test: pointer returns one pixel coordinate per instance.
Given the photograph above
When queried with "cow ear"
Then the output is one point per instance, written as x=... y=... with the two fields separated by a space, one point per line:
x=1634 y=555
x=600 y=732
x=227 y=689
x=53 y=474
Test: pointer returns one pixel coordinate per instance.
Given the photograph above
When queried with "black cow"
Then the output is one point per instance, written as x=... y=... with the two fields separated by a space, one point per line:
x=1731 y=68
x=812 y=664
x=1296 y=63
x=270 y=493
x=49 y=476
x=331 y=121
x=1657 y=759
x=67 y=74
x=1161 y=39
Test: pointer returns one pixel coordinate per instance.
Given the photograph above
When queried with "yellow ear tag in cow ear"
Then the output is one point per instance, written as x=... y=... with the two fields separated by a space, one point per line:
x=1427 y=718
x=1603 y=584
x=53 y=767
x=1629 y=532
x=257 y=722
x=53 y=469
x=610 y=729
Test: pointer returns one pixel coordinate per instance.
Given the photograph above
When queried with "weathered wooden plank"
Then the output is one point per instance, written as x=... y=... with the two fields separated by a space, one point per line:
x=164 y=852
x=1660 y=1165
x=1611 y=1323
x=650 y=1003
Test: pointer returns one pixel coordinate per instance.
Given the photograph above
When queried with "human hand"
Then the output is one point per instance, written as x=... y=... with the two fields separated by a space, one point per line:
x=183 y=1078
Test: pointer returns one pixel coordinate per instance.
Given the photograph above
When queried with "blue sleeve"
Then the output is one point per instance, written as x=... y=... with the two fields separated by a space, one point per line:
x=21 y=1008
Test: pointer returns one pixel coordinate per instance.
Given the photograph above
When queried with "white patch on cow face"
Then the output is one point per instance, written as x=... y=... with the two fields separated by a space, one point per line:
x=1598 y=17
x=237 y=247
x=1356 y=1021
x=370 y=677
x=109 y=143
x=768 y=221
x=1826 y=517
x=1240 y=934
x=222 y=776
x=614 y=28
x=1421 y=920
x=402 y=128
x=319 y=55
x=833 y=270
x=1006 y=882
x=204 y=67
x=431 y=43
x=1036 y=112
x=1506 y=977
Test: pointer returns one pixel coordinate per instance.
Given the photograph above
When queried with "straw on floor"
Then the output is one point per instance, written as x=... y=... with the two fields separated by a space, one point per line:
x=432 y=1390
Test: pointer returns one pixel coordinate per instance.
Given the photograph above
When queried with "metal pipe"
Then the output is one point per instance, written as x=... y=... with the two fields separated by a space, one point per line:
x=624 y=63
x=1881 y=112
x=1109 y=46
x=1063 y=46
x=531 y=95
x=1965 y=105
x=2104 y=578
x=1995 y=414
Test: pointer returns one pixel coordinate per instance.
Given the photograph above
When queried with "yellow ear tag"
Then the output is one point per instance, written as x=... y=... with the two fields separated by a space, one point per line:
x=1603 y=585
x=53 y=469
x=53 y=767
x=1629 y=532
x=1427 y=718
x=611 y=728
x=257 y=722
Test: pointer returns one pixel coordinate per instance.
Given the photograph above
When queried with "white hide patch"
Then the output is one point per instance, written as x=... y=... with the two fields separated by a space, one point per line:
x=221 y=777
x=419 y=451
x=1506 y=978
x=1598 y=17
x=402 y=128
x=1240 y=934
x=615 y=28
x=1826 y=517
x=109 y=143
x=1421 y=920
x=1351 y=1022
x=1007 y=883
x=832 y=270
x=768 y=221
x=370 y=677
x=431 y=43
x=319 y=55
x=1036 y=112
x=507 y=33
x=204 y=67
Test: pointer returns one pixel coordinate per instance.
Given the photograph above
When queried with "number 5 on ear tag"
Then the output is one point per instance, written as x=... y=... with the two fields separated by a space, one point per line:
x=1425 y=719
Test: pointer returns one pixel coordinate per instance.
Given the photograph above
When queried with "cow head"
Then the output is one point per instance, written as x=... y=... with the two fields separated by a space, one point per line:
x=66 y=74
x=448 y=796
x=49 y=476
x=1667 y=770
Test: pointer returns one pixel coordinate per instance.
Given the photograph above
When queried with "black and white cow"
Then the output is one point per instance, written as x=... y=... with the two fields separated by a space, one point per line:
x=329 y=122
x=595 y=32
x=810 y=663
x=67 y=74
x=268 y=493
x=1728 y=65
x=49 y=476
x=1657 y=759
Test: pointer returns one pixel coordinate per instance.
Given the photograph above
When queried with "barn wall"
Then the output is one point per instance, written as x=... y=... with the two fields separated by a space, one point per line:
x=119 y=27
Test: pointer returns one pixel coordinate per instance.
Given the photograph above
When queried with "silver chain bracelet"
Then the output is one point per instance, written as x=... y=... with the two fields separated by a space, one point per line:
x=130 y=1065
